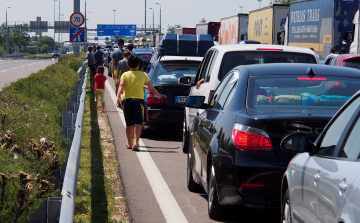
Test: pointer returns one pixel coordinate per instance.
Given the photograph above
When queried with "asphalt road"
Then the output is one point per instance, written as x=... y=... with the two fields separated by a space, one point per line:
x=12 y=70
x=155 y=178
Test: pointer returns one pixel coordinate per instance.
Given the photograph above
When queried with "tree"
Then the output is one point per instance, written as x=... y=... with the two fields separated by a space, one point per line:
x=171 y=29
x=19 y=36
x=203 y=20
x=286 y=2
x=48 y=41
x=45 y=48
x=35 y=38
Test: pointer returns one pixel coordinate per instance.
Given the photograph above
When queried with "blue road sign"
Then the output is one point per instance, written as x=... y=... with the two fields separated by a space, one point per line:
x=107 y=38
x=116 y=30
x=77 y=34
x=96 y=38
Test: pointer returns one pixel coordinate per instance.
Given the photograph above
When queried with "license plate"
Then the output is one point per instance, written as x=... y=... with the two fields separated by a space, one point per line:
x=180 y=99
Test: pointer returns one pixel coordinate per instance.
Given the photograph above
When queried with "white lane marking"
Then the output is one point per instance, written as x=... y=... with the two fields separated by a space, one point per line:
x=9 y=62
x=3 y=70
x=23 y=66
x=29 y=64
x=167 y=202
x=14 y=68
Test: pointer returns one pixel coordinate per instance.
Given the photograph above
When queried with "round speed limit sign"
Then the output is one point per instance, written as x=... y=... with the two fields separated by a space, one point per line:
x=77 y=19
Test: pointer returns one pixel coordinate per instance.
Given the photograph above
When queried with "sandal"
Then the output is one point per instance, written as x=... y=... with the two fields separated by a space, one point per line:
x=102 y=111
x=135 y=149
x=127 y=146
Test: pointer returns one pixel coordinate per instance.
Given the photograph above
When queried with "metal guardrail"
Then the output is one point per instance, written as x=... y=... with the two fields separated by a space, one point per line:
x=72 y=168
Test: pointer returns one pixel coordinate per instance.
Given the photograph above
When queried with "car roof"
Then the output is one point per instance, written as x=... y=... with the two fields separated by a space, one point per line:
x=345 y=56
x=180 y=58
x=254 y=47
x=298 y=69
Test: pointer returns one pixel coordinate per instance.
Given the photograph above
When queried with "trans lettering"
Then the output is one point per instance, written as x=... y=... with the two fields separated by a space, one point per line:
x=258 y=27
x=309 y=15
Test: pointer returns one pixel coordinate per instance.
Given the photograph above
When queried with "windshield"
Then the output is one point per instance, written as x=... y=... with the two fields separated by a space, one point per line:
x=277 y=91
x=171 y=73
x=144 y=57
x=233 y=59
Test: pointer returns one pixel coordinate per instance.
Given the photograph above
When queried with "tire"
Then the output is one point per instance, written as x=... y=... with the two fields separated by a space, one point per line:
x=215 y=209
x=185 y=138
x=191 y=184
x=286 y=208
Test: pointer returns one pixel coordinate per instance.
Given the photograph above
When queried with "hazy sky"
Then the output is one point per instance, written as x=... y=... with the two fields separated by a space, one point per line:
x=184 y=12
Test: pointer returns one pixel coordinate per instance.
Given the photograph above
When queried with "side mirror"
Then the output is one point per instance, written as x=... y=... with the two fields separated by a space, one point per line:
x=196 y=102
x=185 y=80
x=296 y=142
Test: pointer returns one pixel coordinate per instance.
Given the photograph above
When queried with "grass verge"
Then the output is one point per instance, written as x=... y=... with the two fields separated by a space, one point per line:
x=31 y=137
x=46 y=55
x=99 y=194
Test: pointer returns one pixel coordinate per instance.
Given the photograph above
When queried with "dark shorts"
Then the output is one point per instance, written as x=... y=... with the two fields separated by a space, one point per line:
x=134 y=111
x=92 y=69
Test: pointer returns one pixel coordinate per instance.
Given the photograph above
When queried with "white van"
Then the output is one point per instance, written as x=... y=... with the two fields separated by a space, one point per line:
x=219 y=60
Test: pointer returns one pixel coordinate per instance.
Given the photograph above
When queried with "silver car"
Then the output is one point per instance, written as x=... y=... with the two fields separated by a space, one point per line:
x=322 y=182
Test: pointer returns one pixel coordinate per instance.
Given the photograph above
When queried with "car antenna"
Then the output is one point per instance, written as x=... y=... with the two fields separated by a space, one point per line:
x=310 y=72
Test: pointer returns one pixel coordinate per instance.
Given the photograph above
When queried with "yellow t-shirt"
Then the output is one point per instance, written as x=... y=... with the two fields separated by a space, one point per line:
x=134 y=84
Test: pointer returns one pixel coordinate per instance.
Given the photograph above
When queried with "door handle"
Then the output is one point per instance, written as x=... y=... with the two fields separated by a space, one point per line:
x=201 y=125
x=317 y=176
x=211 y=128
x=343 y=186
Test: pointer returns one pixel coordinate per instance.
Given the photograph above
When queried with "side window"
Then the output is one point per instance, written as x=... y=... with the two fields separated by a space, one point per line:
x=205 y=65
x=336 y=62
x=333 y=134
x=220 y=89
x=220 y=103
x=351 y=149
x=328 y=61
x=333 y=61
x=211 y=66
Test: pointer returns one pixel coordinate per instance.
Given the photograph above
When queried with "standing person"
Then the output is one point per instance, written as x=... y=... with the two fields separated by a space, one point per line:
x=131 y=48
x=100 y=88
x=343 y=50
x=332 y=52
x=93 y=49
x=122 y=67
x=98 y=55
x=131 y=86
x=91 y=61
x=116 y=57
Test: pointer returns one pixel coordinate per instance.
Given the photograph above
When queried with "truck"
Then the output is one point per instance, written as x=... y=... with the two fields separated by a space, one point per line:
x=233 y=29
x=266 y=22
x=184 y=30
x=211 y=28
x=321 y=25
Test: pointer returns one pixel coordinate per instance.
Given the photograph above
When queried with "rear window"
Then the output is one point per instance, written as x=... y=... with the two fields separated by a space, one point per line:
x=278 y=91
x=353 y=63
x=145 y=57
x=233 y=59
x=170 y=73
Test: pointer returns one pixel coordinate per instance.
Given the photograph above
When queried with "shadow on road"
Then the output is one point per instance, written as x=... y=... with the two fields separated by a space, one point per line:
x=166 y=135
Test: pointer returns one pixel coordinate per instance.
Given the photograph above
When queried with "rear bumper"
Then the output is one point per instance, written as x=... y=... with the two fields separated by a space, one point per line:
x=166 y=118
x=229 y=178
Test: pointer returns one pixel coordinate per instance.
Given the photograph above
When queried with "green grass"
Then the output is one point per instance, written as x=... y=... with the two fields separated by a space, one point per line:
x=31 y=109
x=98 y=184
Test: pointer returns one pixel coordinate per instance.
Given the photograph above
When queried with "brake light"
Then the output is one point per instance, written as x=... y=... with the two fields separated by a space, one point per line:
x=212 y=92
x=251 y=185
x=248 y=138
x=151 y=98
x=269 y=49
x=147 y=55
x=311 y=78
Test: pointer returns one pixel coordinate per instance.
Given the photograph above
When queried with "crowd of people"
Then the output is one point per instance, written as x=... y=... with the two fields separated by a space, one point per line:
x=130 y=84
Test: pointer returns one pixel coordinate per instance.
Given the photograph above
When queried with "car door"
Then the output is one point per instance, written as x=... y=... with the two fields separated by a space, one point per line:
x=310 y=170
x=341 y=171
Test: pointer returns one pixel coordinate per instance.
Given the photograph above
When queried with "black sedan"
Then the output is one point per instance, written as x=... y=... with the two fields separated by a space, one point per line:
x=168 y=111
x=234 y=149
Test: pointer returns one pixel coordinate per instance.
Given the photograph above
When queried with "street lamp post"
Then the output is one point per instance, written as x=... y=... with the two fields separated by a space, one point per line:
x=114 y=15
x=59 y=30
x=7 y=34
x=160 y=16
x=153 y=20
x=241 y=8
x=54 y=25
x=145 y=17
x=62 y=19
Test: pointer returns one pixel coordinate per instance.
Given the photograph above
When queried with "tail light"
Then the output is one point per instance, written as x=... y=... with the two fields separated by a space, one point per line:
x=212 y=92
x=251 y=185
x=269 y=49
x=151 y=98
x=253 y=139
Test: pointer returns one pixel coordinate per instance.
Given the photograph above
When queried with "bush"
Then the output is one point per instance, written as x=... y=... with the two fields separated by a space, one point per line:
x=30 y=110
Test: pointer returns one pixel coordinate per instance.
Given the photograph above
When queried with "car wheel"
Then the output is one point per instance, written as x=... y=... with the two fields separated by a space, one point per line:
x=286 y=208
x=215 y=210
x=185 y=138
x=191 y=184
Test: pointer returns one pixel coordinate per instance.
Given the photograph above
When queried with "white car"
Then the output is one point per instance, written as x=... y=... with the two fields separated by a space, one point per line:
x=219 y=60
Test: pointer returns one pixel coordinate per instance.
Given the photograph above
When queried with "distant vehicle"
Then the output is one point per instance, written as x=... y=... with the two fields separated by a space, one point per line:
x=344 y=60
x=321 y=183
x=219 y=60
x=321 y=26
x=233 y=29
x=234 y=145
x=55 y=53
x=211 y=28
x=266 y=22
x=184 y=30
x=249 y=42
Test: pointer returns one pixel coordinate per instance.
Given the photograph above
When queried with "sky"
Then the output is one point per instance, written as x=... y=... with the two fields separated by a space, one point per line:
x=184 y=12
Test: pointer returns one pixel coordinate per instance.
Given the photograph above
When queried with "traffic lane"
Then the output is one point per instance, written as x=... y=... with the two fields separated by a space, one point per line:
x=140 y=198
x=165 y=149
x=13 y=71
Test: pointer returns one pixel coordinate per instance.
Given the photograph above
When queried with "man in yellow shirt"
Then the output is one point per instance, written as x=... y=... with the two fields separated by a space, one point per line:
x=131 y=86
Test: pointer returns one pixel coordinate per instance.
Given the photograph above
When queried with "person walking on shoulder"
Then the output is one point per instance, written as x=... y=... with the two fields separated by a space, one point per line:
x=116 y=57
x=91 y=61
x=131 y=86
x=122 y=67
x=98 y=55
x=100 y=88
